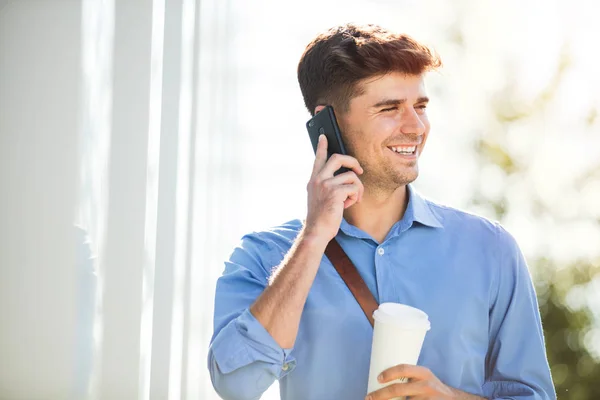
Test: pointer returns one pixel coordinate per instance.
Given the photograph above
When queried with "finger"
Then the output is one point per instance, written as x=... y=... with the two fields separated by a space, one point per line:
x=356 y=194
x=351 y=200
x=404 y=371
x=360 y=191
x=343 y=192
x=321 y=155
x=337 y=161
x=342 y=179
x=347 y=194
x=397 y=390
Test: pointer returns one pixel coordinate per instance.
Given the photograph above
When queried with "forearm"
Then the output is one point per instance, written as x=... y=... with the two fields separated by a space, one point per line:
x=460 y=395
x=279 y=307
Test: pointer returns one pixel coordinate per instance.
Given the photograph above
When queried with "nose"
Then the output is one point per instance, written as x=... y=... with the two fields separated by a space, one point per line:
x=412 y=123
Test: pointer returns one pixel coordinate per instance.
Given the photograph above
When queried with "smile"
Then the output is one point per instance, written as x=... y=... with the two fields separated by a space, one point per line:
x=405 y=150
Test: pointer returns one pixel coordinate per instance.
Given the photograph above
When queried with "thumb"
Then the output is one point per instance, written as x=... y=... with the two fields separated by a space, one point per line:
x=321 y=155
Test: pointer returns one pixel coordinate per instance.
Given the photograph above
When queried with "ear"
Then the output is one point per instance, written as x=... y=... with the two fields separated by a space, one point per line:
x=319 y=108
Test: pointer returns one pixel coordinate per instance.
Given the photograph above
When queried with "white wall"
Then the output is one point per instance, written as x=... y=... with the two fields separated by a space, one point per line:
x=98 y=126
x=39 y=103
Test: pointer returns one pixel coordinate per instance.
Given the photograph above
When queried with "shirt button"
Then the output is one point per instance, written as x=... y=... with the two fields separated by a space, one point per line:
x=285 y=367
x=380 y=251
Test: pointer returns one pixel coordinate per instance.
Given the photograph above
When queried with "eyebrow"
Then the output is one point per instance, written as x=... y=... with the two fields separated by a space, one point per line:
x=397 y=102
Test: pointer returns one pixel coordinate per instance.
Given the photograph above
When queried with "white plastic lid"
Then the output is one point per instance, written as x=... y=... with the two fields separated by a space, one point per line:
x=402 y=315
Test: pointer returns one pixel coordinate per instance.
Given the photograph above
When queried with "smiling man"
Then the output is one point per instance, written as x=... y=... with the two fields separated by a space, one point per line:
x=282 y=312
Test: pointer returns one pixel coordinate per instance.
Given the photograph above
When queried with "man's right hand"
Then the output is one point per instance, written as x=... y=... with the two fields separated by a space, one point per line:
x=329 y=195
x=279 y=307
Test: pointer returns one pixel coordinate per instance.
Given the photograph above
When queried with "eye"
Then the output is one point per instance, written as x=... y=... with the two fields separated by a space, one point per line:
x=389 y=109
x=421 y=108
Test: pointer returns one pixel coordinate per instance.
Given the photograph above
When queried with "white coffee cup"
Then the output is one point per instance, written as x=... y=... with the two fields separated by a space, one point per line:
x=397 y=339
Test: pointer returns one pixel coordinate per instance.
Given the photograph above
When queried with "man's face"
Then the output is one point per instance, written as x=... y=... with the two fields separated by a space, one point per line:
x=386 y=128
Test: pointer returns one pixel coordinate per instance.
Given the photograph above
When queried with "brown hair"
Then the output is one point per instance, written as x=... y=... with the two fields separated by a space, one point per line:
x=337 y=60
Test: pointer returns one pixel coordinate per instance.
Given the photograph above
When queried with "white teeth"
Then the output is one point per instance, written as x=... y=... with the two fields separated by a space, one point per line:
x=404 y=150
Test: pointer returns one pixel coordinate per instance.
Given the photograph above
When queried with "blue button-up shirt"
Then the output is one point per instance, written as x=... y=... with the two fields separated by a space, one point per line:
x=465 y=272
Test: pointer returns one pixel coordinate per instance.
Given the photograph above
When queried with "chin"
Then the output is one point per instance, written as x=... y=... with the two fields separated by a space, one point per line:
x=405 y=177
x=401 y=181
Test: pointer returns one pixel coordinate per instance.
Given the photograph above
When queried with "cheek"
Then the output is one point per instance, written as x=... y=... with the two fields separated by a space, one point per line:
x=385 y=126
x=354 y=141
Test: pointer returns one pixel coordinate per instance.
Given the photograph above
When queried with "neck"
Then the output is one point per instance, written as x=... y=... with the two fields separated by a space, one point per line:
x=378 y=211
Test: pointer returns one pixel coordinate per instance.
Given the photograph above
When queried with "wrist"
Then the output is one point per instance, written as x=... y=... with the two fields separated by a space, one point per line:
x=460 y=395
x=456 y=394
x=313 y=239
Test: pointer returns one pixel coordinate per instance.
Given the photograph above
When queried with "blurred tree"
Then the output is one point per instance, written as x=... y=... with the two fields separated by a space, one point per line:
x=568 y=326
x=565 y=289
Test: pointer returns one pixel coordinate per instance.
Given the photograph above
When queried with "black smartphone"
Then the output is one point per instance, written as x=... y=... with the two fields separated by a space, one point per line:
x=324 y=123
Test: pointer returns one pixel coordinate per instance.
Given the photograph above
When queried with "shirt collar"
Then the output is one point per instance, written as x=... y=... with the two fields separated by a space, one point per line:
x=418 y=210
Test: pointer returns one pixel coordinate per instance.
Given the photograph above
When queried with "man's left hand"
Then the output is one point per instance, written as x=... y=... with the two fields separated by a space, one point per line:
x=422 y=384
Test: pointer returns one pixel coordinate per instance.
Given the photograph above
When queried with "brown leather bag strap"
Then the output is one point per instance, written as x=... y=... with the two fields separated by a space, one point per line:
x=353 y=280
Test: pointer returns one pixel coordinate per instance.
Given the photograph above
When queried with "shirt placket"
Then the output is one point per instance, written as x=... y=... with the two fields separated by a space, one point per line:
x=382 y=273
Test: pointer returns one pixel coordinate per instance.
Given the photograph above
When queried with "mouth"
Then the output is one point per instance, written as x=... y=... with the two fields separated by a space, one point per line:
x=406 y=151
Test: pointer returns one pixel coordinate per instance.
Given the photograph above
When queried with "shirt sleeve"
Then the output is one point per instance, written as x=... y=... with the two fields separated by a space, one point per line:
x=517 y=367
x=244 y=360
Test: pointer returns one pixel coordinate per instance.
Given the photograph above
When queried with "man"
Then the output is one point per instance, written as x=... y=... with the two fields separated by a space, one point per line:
x=282 y=311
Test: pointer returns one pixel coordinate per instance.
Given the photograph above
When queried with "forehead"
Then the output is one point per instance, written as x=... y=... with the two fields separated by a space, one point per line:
x=394 y=85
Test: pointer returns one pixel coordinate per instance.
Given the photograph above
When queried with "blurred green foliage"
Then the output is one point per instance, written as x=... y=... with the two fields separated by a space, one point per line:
x=567 y=326
x=563 y=289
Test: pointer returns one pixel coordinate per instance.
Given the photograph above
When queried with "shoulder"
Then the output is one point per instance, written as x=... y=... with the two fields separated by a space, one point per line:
x=468 y=224
x=260 y=251
x=280 y=236
x=276 y=240
x=483 y=236
x=481 y=233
